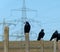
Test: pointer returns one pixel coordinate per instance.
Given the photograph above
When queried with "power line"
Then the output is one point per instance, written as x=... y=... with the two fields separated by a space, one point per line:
x=4 y=23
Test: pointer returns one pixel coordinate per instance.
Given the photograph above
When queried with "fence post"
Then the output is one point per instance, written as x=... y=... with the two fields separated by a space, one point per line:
x=58 y=46
x=27 y=42
x=6 y=38
x=42 y=44
x=55 y=45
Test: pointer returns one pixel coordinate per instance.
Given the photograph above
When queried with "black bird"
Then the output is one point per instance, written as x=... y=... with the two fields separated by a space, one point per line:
x=41 y=34
x=27 y=27
x=58 y=38
x=55 y=35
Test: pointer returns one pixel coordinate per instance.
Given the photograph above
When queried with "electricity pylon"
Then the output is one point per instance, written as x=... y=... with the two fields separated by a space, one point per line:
x=24 y=17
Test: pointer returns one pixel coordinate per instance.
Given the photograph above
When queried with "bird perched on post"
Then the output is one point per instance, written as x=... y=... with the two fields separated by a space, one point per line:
x=27 y=27
x=58 y=38
x=55 y=35
x=41 y=34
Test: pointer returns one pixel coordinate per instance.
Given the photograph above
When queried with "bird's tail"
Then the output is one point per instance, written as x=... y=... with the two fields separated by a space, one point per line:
x=51 y=39
x=38 y=38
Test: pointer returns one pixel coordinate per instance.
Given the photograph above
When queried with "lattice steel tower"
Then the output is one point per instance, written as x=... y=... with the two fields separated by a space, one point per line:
x=24 y=15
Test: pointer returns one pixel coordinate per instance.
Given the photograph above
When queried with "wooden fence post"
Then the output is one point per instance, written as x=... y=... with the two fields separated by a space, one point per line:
x=55 y=45
x=27 y=42
x=58 y=46
x=6 y=38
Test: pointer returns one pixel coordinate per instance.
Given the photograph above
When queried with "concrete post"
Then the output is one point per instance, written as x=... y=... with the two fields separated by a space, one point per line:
x=6 y=38
x=27 y=42
x=55 y=45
